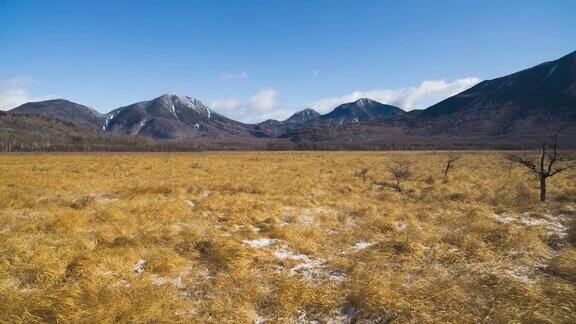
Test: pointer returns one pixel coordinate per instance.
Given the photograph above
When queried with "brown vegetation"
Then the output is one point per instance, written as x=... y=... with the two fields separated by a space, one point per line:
x=239 y=237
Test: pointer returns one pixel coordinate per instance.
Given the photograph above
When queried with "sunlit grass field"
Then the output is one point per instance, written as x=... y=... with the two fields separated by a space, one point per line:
x=282 y=237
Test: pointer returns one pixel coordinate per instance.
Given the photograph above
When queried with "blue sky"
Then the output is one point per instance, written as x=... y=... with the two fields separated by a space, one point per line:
x=253 y=60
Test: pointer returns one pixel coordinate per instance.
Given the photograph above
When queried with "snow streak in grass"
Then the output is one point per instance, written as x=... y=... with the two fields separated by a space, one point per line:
x=259 y=243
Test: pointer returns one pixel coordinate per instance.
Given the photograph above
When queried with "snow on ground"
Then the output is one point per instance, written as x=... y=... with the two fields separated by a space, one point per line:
x=176 y=282
x=400 y=225
x=284 y=253
x=345 y=316
x=189 y=203
x=553 y=223
x=202 y=195
x=303 y=266
x=361 y=245
x=505 y=219
x=556 y=231
x=260 y=320
x=259 y=243
x=520 y=274
x=120 y=283
x=307 y=268
x=108 y=200
x=306 y=217
x=139 y=266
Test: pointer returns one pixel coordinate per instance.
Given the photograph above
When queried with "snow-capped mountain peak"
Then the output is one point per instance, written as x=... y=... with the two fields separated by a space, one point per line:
x=303 y=116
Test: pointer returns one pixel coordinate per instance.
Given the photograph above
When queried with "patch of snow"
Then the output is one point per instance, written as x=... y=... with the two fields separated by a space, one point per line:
x=259 y=243
x=308 y=269
x=362 y=245
x=505 y=219
x=209 y=112
x=553 y=224
x=197 y=126
x=108 y=120
x=141 y=124
x=189 y=203
x=120 y=283
x=519 y=274
x=306 y=217
x=337 y=276
x=260 y=320
x=345 y=317
x=400 y=225
x=139 y=266
x=173 y=110
x=284 y=253
x=175 y=282
x=362 y=102
x=107 y=200
x=552 y=70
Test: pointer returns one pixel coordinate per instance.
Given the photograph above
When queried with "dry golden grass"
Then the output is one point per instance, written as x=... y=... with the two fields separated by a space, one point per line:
x=280 y=237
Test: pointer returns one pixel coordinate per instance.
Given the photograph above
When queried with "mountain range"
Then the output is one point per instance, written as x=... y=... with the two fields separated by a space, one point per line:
x=514 y=107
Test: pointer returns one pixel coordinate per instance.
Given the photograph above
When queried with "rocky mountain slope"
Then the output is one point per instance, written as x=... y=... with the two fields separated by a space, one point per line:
x=303 y=116
x=360 y=111
x=63 y=110
x=173 y=117
x=517 y=104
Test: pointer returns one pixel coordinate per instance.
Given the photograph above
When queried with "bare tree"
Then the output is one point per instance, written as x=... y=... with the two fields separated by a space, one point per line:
x=449 y=165
x=550 y=162
x=400 y=172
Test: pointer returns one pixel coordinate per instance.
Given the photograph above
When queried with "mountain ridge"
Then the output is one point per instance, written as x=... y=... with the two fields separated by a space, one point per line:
x=518 y=104
x=64 y=110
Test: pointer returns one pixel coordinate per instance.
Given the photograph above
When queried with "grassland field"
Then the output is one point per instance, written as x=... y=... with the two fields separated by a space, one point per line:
x=282 y=237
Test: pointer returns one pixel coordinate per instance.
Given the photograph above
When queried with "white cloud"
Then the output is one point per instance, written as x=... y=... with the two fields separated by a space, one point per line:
x=264 y=100
x=13 y=93
x=422 y=96
x=234 y=76
x=263 y=105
